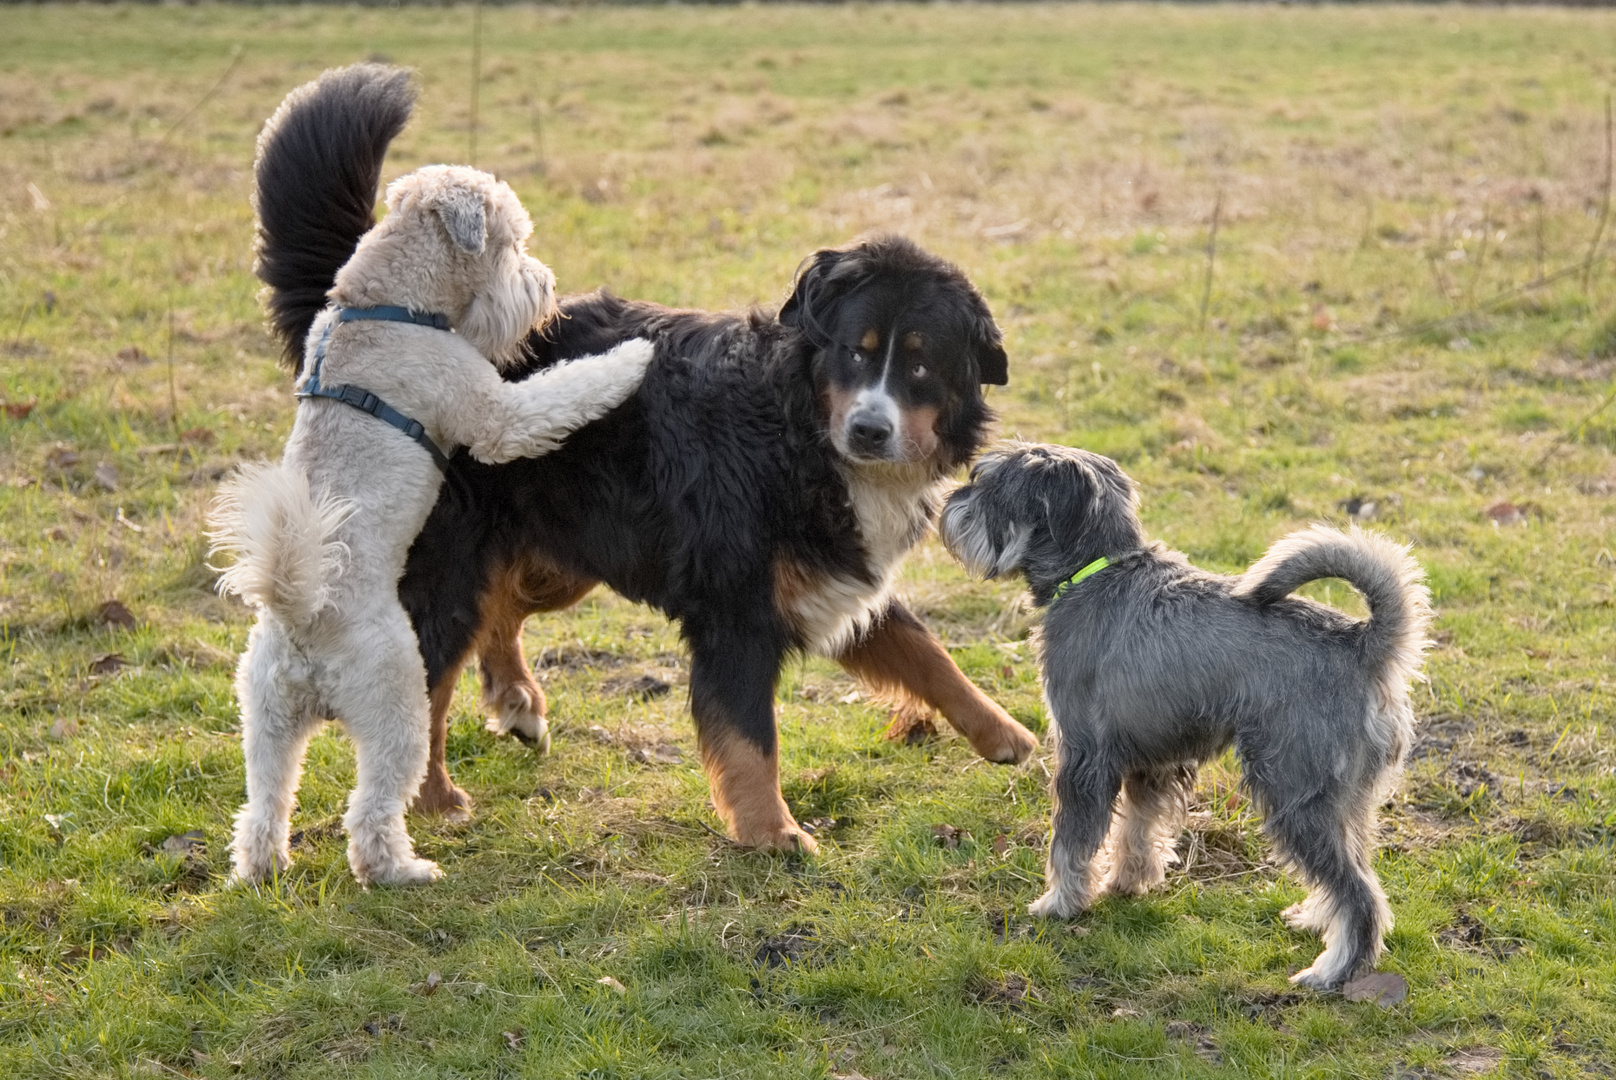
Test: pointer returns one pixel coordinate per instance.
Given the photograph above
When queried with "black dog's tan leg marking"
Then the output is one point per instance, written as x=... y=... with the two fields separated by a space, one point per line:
x=438 y=794
x=900 y=657
x=516 y=591
x=734 y=666
x=513 y=698
x=745 y=781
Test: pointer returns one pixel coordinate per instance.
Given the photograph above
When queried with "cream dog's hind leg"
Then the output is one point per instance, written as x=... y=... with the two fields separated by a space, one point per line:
x=277 y=719
x=385 y=713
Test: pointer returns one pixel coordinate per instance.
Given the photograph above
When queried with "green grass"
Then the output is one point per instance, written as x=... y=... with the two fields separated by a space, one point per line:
x=1382 y=171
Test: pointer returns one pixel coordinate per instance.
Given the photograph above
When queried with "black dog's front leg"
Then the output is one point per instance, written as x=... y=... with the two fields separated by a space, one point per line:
x=734 y=666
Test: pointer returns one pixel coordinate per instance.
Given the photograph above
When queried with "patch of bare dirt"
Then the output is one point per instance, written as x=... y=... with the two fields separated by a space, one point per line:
x=1197 y=1037
x=1209 y=849
x=795 y=945
x=1010 y=989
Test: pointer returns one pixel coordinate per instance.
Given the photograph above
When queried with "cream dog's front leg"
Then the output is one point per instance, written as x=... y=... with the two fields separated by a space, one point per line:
x=534 y=416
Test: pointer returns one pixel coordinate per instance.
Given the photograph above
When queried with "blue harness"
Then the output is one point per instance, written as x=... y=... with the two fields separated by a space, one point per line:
x=364 y=400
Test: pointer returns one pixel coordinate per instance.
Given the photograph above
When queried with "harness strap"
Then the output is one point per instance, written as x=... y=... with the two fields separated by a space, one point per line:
x=362 y=399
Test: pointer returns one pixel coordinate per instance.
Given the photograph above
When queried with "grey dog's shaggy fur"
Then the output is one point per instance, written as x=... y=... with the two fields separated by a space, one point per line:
x=1151 y=667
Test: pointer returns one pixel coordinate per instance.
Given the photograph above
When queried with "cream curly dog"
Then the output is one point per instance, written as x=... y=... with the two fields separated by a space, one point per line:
x=405 y=360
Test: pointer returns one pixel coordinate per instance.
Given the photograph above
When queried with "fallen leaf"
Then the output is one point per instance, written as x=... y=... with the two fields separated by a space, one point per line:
x=19 y=410
x=131 y=354
x=612 y=984
x=56 y=532
x=106 y=665
x=1384 y=988
x=114 y=613
x=514 y=1039
x=200 y=435
x=849 y=699
x=1001 y=844
x=433 y=981
x=106 y=474
x=65 y=727
x=949 y=836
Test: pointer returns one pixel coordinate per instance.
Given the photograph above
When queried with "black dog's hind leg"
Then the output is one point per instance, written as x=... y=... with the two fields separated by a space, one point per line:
x=1085 y=785
x=734 y=667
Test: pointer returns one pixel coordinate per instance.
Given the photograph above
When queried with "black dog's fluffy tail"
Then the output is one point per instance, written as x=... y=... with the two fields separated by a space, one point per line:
x=319 y=162
x=1391 y=581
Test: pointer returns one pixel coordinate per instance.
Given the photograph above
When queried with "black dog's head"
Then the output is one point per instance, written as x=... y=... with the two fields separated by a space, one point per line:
x=903 y=342
x=1045 y=511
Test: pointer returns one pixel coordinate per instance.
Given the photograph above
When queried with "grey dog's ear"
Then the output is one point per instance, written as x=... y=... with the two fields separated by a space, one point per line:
x=462 y=212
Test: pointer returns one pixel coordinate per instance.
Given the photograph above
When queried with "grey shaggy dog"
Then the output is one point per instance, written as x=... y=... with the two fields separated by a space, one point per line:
x=1151 y=667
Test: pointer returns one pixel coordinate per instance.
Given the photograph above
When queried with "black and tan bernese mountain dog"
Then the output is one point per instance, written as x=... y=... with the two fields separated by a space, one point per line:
x=762 y=487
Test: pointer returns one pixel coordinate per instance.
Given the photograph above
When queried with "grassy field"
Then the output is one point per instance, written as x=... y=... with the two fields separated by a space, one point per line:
x=1385 y=333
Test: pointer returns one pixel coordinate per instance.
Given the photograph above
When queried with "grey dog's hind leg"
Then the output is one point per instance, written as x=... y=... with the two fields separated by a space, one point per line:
x=1085 y=786
x=1154 y=801
x=1328 y=839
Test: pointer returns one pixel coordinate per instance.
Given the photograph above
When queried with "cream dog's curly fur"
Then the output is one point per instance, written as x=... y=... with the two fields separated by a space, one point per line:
x=320 y=539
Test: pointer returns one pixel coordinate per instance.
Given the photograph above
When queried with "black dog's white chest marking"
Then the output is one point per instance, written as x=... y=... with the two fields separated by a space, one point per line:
x=893 y=505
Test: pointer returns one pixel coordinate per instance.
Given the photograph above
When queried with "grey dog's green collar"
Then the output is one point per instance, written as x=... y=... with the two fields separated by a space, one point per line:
x=1087 y=572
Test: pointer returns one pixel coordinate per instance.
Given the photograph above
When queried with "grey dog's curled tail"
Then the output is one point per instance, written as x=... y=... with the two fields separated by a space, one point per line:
x=1392 y=583
x=319 y=163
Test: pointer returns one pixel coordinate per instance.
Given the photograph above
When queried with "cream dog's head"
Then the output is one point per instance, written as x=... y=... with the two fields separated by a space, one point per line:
x=454 y=241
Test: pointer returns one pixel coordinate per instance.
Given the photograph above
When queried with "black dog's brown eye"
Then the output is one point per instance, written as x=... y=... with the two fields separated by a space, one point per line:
x=918 y=371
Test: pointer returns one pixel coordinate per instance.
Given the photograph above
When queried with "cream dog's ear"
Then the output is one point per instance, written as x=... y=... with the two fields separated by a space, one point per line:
x=463 y=214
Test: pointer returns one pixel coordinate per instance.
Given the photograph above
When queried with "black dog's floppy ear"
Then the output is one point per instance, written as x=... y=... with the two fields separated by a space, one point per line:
x=824 y=278
x=991 y=362
x=464 y=217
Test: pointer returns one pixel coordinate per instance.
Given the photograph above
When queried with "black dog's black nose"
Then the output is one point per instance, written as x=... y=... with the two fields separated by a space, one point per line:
x=869 y=431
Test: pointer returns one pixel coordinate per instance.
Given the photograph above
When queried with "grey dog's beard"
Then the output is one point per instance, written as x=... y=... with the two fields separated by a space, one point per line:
x=965 y=534
x=498 y=320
